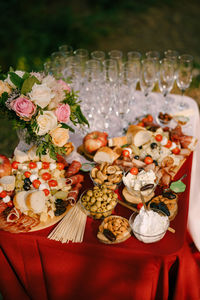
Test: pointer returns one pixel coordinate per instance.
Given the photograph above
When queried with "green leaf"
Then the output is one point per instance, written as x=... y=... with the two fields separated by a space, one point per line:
x=178 y=186
x=82 y=119
x=16 y=80
x=28 y=84
x=67 y=127
x=26 y=75
x=4 y=98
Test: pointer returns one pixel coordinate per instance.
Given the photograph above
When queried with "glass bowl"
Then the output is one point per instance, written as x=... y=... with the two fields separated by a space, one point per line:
x=157 y=233
x=146 y=190
x=107 y=174
x=98 y=202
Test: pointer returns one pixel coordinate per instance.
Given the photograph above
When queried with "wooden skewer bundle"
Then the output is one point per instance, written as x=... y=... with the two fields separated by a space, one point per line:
x=71 y=228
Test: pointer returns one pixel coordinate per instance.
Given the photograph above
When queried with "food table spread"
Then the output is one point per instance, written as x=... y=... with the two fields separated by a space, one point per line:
x=33 y=267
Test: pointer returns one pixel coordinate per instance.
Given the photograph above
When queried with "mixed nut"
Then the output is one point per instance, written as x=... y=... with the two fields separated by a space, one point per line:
x=114 y=228
x=107 y=174
x=99 y=201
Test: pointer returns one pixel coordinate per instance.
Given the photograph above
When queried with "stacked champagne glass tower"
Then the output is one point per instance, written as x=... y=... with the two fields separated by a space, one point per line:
x=107 y=82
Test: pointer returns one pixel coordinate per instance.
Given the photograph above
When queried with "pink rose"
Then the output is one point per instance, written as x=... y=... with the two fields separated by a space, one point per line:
x=23 y=107
x=64 y=85
x=63 y=113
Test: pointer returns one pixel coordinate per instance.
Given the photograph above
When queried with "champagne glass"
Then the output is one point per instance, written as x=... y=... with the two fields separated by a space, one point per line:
x=155 y=55
x=147 y=80
x=173 y=55
x=134 y=56
x=184 y=76
x=132 y=75
x=166 y=79
x=109 y=89
x=98 y=55
x=117 y=55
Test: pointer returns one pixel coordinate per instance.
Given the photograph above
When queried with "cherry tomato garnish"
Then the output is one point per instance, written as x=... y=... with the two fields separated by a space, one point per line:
x=150 y=118
x=140 y=124
x=169 y=144
x=158 y=137
x=46 y=192
x=176 y=150
x=134 y=171
x=45 y=165
x=148 y=160
x=52 y=183
x=46 y=176
x=3 y=194
x=10 y=204
x=27 y=174
x=15 y=165
x=60 y=166
x=32 y=165
x=36 y=183
x=125 y=153
x=139 y=206
x=144 y=120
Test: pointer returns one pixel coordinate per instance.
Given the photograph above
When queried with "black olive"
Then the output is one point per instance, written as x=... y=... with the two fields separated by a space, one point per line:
x=27 y=181
x=59 y=201
x=110 y=236
x=147 y=187
x=154 y=205
x=163 y=207
x=136 y=157
x=140 y=147
x=148 y=155
x=26 y=187
x=155 y=162
x=169 y=195
x=59 y=211
x=140 y=169
x=154 y=145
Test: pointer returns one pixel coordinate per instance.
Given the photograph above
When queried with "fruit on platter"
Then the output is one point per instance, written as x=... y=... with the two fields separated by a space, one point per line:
x=95 y=140
x=5 y=166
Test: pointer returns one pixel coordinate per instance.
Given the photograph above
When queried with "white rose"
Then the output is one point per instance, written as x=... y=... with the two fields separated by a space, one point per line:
x=19 y=73
x=60 y=136
x=50 y=81
x=46 y=122
x=41 y=95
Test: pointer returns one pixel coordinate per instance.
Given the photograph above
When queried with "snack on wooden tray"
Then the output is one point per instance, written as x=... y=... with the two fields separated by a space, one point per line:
x=107 y=174
x=113 y=230
x=167 y=203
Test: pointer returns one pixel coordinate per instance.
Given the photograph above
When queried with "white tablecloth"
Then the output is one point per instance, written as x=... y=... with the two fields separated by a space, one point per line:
x=192 y=128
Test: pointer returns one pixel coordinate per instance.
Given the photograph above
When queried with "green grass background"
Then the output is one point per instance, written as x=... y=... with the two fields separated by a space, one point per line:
x=31 y=30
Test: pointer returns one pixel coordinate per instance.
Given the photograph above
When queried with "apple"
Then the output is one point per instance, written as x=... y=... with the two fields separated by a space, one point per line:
x=95 y=140
x=5 y=166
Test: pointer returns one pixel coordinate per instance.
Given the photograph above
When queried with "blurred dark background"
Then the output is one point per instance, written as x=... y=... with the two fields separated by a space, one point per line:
x=31 y=30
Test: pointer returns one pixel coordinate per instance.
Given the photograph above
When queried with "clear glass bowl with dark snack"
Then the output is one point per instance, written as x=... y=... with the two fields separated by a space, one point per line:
x=107 y=174
x=164 y=118
x=149 y=226
x=98 y=202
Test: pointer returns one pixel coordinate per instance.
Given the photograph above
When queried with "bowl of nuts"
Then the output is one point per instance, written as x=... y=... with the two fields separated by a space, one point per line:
x=107 y=174
x=98 y=202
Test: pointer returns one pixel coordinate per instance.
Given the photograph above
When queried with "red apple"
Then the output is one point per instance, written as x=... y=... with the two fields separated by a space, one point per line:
x=5 y=166
x=95 y=140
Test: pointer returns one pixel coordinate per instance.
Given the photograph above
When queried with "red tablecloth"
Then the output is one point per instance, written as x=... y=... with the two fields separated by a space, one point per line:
x=33 y=267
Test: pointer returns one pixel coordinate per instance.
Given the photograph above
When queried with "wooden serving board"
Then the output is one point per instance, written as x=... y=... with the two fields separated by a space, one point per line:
x=104 y=240
x=135 y=200
x=50 y=221
x=81 y=151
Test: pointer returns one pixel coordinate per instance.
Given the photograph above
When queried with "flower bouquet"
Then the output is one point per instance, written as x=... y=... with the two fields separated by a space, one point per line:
x=41 y=106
